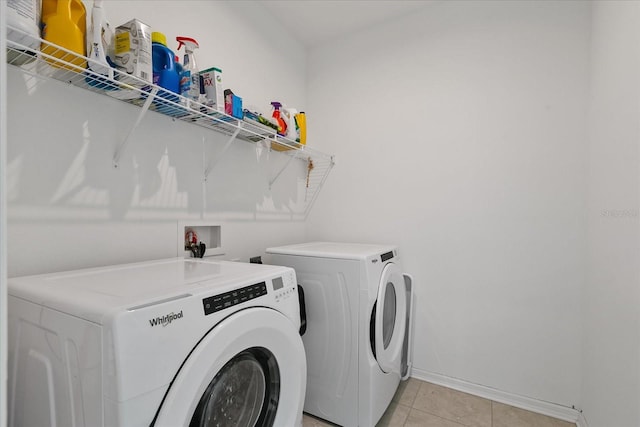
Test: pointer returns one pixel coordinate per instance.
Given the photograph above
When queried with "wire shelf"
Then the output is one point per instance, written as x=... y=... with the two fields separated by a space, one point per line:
x=52 y=62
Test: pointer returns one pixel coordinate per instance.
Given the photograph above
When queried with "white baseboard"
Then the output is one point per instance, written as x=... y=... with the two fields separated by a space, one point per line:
x=582 y=421
x=522 y=402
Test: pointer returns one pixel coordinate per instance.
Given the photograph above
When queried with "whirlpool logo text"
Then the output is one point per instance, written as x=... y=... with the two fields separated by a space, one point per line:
x=166 y=319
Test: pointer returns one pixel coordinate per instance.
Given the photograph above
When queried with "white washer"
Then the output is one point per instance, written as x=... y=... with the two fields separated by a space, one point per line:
x=164 y=343
x=358 y=306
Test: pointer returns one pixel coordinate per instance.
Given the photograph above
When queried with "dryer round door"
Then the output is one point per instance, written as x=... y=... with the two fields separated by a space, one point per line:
x=249 y=370
x=390 y=319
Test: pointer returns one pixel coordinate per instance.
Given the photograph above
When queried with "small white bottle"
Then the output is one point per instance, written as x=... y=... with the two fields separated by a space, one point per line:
x=100 y=38
x=293 y=131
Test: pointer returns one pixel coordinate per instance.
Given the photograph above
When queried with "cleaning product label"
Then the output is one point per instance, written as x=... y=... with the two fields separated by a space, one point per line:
x=194 y=88
x=123 y=43
x=24 y=8
x=185 y=83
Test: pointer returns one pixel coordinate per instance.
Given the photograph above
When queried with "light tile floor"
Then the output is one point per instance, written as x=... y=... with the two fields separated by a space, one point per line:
x=421 y=404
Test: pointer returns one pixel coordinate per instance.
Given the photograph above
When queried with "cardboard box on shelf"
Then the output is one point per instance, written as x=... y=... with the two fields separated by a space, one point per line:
x=132 y=51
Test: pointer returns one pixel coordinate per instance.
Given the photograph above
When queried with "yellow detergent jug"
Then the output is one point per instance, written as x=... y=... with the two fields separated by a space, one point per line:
x=301 y=121
x=64 y=25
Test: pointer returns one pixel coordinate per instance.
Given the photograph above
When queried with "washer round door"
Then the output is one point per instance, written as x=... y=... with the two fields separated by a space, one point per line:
x=249 y=370
x=390 y=319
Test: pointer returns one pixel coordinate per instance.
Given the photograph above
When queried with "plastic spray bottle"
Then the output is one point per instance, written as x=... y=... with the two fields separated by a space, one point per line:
x=100 y=35
x=190 y=79
x=282 y=124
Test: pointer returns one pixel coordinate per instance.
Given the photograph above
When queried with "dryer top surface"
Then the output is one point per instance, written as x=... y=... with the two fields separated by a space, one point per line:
x=359 y=251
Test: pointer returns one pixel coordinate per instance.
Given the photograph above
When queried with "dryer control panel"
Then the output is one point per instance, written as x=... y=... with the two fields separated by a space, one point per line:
x=386 y=256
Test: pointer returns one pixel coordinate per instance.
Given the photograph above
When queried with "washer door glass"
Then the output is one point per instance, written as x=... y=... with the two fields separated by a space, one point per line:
x=244 y=393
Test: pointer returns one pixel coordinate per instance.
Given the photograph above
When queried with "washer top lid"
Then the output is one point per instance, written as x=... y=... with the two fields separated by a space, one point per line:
x=93 y=293
x=333 y=250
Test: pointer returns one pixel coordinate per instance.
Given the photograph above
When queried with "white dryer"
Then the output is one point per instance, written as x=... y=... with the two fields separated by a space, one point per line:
x=358 y=310
x=179 y=342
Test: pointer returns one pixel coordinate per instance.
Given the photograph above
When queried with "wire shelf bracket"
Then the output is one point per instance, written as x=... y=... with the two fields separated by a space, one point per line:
x=316 y=191
x=145 y=107
x=214 y=162
x=286 y=165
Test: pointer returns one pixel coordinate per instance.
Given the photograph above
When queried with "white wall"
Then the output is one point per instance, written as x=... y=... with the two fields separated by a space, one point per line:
x=3 y=218
x=459 y=134
x=69 y=208
x=611 y=347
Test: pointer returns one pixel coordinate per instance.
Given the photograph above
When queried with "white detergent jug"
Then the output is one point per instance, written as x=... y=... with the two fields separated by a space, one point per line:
x=24 y=17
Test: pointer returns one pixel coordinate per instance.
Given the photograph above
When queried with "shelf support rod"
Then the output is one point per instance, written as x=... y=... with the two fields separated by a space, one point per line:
x=275 y=178
x=214 y=162
x=317 y=191
x=125 y=141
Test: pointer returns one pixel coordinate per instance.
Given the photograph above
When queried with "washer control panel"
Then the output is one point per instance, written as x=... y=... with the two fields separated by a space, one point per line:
x=284 y=287
x=281 y=287
x=229 y=299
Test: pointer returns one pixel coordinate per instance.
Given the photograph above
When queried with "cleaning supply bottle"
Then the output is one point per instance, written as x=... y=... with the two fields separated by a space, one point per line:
x=190 y=80
x=64 y=24
x=100 y=35
x=282 y=125
x=165 y=73
x=301 y=121
x=290 y=118
x=23 y=15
